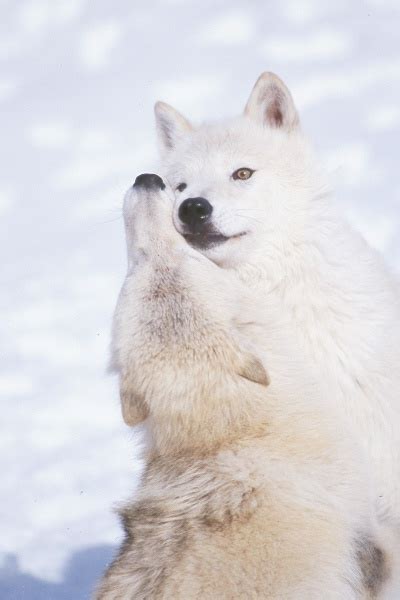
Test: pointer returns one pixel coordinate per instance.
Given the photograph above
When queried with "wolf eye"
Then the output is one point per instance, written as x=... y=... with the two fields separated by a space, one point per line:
x=243 y=173
x=181 y=187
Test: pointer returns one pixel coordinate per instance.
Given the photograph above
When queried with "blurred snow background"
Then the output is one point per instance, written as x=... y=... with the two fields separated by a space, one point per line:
x=78 y=81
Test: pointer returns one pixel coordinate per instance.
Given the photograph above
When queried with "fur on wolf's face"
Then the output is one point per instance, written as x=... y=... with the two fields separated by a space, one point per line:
x=240 y=180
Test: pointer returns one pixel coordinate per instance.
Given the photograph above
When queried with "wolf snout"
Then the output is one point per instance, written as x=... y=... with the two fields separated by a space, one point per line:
x=194 y=213
x=149 y=181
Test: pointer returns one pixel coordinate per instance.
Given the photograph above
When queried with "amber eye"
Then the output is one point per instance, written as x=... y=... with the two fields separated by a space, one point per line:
x=243 y=173
x=181 y=187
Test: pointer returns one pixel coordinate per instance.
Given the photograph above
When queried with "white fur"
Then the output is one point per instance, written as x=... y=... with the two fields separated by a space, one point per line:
x=341 y=301
x=253 y=486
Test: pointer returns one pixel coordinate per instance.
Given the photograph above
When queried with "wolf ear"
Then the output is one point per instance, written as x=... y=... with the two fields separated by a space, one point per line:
x=271 y=103
x=250 y=367
x=171 y=125
x=134 y=410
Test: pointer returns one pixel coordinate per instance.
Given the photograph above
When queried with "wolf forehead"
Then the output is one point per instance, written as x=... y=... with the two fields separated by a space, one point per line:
x=215 y=147
x=270 y=118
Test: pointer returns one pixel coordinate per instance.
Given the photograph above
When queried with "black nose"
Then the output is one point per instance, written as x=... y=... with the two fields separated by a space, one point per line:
x=195 y=212
x=149 y=180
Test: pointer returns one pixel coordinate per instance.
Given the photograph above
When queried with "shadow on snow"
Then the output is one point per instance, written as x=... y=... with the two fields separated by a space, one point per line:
x=81 y=575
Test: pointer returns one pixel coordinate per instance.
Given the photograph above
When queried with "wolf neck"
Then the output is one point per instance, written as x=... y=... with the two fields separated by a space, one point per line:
x=331 y=286
x=195 y=433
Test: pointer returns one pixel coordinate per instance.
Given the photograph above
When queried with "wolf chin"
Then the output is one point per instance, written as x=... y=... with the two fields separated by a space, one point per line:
x=256 y=337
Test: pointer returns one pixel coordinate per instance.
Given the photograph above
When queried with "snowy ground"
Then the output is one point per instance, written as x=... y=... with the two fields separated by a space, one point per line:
x=77 y=85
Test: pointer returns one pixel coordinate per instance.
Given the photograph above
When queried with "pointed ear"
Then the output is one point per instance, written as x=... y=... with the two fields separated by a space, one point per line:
x=134 y=410
x=251 y=368
x=271 y=103
x=171 y=125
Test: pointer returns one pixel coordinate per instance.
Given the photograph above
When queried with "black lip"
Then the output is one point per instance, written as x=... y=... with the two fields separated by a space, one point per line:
x=205 y=241
x=208 y=241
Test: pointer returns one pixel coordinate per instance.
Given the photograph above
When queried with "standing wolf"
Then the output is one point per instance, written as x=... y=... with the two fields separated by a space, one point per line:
x=250 y=198
x=252 y=489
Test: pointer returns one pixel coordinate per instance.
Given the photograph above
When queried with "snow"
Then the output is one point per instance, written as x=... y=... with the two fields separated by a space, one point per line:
x=77 y=88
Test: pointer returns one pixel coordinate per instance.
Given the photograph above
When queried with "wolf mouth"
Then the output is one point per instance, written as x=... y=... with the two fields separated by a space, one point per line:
x=205 y=241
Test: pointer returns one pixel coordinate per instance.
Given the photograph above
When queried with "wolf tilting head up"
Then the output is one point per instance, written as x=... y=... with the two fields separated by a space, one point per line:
x=242 y=179
x=178 y=342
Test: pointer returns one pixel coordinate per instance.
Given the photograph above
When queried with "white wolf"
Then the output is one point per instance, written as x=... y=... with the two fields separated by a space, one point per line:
x=251 y=487
x=250 y=197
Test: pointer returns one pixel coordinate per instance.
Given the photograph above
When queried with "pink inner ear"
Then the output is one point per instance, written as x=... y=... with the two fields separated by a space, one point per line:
x=274 y=112
x=168 y=131
x=271 y=103
x=276 y=105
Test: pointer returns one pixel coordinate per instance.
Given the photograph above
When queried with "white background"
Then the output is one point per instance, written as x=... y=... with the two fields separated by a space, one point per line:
x=78 y=80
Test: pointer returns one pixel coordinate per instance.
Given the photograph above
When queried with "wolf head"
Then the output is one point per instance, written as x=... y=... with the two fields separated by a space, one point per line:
x=241 y=179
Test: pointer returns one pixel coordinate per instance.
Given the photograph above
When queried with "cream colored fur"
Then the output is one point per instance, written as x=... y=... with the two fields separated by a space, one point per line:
x=254 y=487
